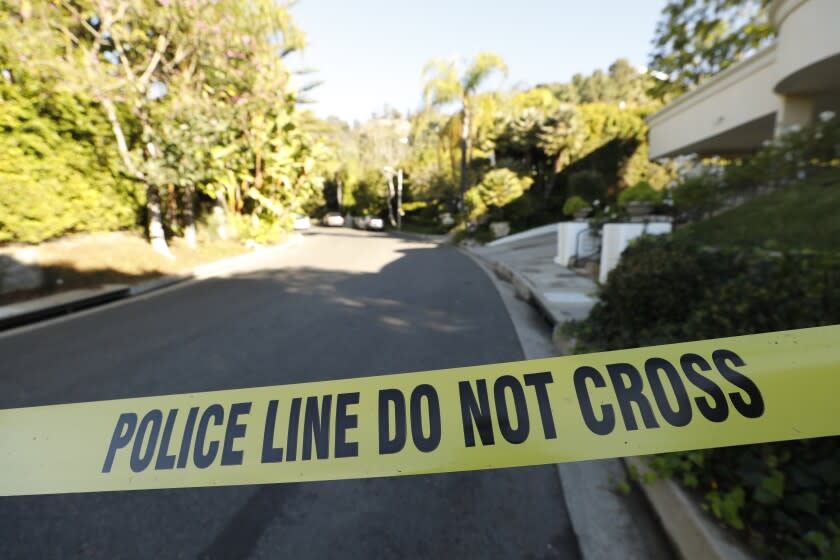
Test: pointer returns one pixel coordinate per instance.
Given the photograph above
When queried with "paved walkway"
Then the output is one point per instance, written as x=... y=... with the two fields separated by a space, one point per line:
x=528 y=263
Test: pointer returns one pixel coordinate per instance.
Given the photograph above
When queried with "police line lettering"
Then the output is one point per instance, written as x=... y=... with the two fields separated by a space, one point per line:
x=740 y=390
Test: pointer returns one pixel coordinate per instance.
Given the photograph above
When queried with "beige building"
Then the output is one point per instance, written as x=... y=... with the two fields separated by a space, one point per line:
x=788 y=83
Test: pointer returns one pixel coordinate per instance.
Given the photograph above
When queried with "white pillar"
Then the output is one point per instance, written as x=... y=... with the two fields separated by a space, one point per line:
x=795 y=110
x=616 y=237
x=568 y=234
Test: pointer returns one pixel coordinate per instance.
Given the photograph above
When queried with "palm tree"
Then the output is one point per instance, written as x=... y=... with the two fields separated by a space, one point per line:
x=443 y=85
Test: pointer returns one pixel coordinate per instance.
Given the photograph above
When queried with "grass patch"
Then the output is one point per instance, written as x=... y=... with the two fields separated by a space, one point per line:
x=805 y=215
x=94 y=260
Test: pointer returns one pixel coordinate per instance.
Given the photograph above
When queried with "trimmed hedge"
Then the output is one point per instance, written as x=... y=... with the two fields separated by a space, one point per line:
x=784 y=497
x=58 y=170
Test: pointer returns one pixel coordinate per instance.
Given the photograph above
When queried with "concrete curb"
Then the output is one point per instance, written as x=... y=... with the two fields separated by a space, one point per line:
x=112 y=294
x=97 y=297
x=694 y=535
x=524 y=290
x=156 y=284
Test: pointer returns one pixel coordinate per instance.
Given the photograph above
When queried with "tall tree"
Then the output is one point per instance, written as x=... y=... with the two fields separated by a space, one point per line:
x=695 y=39
x=122 y=52
x=444 y=85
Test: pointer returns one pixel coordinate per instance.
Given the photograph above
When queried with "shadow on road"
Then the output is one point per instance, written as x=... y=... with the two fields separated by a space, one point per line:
x=429 y=308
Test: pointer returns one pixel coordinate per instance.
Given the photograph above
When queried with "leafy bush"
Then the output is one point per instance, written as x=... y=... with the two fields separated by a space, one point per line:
x=588 y=185
x=785 y=496
x=573 y=204
x=792 y=155
x=254 y=228
x=58 y=168
x=500 y=186
x=696 y=196
x=640 y=192
x=497 y=188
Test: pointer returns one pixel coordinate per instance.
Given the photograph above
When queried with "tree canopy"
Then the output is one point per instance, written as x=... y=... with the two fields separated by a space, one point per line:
x=695 y=39
x=190 y=103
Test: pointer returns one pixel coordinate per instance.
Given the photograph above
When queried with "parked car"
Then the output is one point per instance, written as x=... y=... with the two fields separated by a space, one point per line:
x=334 y=219
x=302 y=222
x=368 y=222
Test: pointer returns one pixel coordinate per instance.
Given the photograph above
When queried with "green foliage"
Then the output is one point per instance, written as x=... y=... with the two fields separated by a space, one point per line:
x=540 y=133
x=574 y=204
x=800 y=216
x=794 y=154
x=255 y=228
x=445 y=82
x=785 y=496
x=640 y=192
x=195 y=95
x=782 y=162
x=500 y=186
x=697 y=196
x=588 y=185
x=368 y=194
x=57 y=167
x=497 y=188
x=782 y=496
x=622 y=83
x=603 y=123
x=696 y=39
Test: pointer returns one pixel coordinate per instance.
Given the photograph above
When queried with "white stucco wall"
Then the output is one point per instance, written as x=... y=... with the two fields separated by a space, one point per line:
x=809 y=31
x=740 y=94
x=805 y=60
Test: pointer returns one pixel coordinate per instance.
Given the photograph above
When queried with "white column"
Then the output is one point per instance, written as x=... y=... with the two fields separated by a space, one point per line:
x=567 y=238
x=616 y=237
x=795 y=110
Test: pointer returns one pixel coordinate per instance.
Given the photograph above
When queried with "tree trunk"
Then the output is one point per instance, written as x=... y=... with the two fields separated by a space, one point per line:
x=220 y=210
x=156 y=234
x=122 y=146
x=465 y=146
x=189 y=216
x=155 y=224
x=399 y=198
x=338 y=193
x=391 y=200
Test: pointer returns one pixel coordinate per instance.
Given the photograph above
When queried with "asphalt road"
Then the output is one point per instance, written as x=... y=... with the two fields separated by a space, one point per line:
x=341 y=304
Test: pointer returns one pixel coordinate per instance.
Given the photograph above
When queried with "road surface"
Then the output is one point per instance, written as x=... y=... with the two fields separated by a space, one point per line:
x=341 y=304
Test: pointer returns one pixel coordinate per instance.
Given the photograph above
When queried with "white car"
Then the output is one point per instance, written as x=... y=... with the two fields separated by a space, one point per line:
x=334 y=219
x=302 y=222
x=377 y=224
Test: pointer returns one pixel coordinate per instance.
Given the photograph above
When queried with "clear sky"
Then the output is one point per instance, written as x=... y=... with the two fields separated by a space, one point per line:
x=371 y=52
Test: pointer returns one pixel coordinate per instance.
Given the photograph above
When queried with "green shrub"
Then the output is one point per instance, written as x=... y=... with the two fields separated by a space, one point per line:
x=414 y=206
x=784 y=497
x=798 y=151
x=251 y=227
x=588 y=184
x=500 y=186
x=640 y=192
x=696 y=196
x=58 y=168
x=497 y=188
x=573 y=204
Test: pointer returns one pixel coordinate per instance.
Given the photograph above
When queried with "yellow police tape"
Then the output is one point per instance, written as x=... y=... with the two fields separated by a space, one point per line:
x=711 y=393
